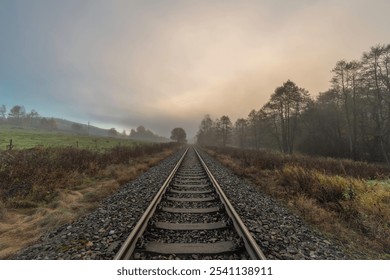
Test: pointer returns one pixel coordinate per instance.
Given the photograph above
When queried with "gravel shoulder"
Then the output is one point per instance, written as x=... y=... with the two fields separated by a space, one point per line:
x=99 y=235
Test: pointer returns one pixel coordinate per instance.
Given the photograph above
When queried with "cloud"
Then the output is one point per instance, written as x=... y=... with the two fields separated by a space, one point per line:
x=164 y=64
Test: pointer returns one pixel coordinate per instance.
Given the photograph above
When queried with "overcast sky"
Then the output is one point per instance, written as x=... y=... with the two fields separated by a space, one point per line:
x=164 y=64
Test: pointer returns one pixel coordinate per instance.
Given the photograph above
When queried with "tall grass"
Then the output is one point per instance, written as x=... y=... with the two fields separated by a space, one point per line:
x=43 y=188
x=272 y=160
x=343 y=197
x=32 y=176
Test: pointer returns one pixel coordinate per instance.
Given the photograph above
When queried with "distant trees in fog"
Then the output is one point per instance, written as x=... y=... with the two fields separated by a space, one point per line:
x=141 y=133
x=49 y=124
x=179 y=135
x=17 y=116
x=112 y=132
x=351 y=119
x=215 y=132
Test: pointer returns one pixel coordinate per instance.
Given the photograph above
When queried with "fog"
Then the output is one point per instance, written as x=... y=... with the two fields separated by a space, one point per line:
x=164 y=64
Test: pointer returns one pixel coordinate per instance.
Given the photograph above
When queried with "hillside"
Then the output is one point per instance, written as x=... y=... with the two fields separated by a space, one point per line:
x=36 y=129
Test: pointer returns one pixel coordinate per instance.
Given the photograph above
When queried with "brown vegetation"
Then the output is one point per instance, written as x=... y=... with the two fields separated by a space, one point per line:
x=41 y=189
x=341 y=197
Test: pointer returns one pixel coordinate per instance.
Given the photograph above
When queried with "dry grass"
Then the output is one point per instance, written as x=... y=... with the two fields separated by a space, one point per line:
x=43 y=206
x=348 y=200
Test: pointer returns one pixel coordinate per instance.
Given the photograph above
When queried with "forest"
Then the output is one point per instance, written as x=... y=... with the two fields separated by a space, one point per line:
x=349 y=120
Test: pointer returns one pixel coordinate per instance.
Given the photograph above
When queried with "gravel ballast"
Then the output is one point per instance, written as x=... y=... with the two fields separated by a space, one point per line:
x=99 y=235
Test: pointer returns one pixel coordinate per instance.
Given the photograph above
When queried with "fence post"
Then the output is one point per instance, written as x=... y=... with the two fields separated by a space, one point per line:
x=10 y=146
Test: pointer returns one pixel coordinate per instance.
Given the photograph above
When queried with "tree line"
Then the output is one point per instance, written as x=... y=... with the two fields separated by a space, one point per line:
x=18 y=116
x=142 y=133
x=351 y=119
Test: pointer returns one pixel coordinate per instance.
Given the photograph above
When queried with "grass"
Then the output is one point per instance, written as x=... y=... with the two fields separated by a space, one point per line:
x=345 y=199
x=23 y=138
x=43 y=188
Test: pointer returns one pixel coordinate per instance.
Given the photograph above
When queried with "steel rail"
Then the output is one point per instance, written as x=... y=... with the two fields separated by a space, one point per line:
x=128 y=246
x=251 y=246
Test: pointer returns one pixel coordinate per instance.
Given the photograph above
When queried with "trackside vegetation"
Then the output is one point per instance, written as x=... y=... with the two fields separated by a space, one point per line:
x=347 y=199
x=42 y=188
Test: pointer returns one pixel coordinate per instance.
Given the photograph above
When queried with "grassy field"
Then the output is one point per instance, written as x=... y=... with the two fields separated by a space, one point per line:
x=46 y=180
x=347 y=200
x=29 y=138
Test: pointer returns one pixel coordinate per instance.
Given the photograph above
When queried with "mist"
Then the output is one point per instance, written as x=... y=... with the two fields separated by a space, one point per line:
x=167 y=64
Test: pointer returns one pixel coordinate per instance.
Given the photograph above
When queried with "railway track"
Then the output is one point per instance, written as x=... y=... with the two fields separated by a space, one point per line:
x=190 y=218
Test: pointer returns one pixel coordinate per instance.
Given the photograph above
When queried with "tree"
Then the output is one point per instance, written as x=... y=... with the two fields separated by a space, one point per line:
x=205 y=135
x=376 y=80
x=142 y=133
x=241 y=127
x=31 y=117
x=16 y=114
x=345 y=82
x=112 y=132
x=284 y=108
x=254 y=127
x=323 y=125
x=179 y=135
x=141 y=130
x=224 y=128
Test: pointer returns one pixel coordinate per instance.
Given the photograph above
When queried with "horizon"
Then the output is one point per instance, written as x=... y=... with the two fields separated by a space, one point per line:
x=165 y=65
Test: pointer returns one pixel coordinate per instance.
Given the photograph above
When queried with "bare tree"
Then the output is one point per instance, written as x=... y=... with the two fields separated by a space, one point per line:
x=375 y=67
x=284 y=108
x=241 y=127
x=345 y=81
x=32 y=116
x=254 y=127
x=206 y=134
x=224 y=128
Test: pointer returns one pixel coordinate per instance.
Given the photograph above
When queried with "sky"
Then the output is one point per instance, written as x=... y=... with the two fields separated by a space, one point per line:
x=165 y=64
